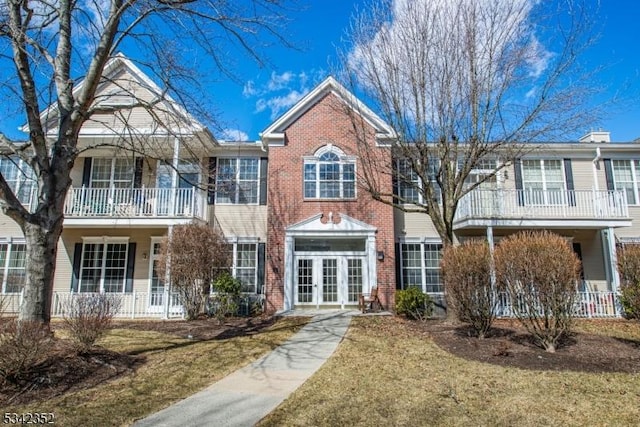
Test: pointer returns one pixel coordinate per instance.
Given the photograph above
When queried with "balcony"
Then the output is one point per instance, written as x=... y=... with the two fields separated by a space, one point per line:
x=540 y=208
x=133 y=206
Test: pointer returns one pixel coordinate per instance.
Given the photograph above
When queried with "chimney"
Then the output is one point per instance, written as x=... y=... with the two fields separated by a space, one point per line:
x=597 y=137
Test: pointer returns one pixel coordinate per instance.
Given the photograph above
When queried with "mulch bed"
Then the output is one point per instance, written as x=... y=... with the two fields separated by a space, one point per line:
x=66 y=371
x=510 y=345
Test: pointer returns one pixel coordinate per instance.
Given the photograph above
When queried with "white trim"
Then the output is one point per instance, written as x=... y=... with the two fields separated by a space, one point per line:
x=105 y=239
x=274 y=135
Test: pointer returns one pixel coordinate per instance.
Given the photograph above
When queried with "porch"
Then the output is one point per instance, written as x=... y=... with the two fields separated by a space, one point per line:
x=84 y=205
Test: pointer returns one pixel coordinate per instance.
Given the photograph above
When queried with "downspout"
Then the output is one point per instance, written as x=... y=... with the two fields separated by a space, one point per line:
x=594 y=165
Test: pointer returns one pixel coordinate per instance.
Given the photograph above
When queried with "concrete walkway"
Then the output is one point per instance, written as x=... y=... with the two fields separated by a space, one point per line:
x=247 y=395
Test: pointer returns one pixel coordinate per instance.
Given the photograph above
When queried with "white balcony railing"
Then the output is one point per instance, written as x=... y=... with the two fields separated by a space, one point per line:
x=540 y=204
x=134 y=202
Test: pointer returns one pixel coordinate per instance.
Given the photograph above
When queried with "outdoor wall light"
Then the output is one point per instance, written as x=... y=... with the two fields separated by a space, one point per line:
x=144 y=255
x=380 y=255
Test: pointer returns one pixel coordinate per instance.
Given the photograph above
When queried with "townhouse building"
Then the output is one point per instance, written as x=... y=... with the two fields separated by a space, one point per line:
x=301 y=230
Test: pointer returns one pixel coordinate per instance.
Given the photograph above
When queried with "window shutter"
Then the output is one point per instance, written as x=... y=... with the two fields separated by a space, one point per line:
x=394 y=182
x=77 y=258
x=211 y=185
x=86 y=172
x=131 y=259
x=608 y=173
x=517 y=172
x=261 y=268
x=398 y=267
x=264 y=165
x=137 y=172
x=568 y=177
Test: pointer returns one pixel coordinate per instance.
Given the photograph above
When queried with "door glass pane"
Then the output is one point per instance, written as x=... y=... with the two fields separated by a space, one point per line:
x=354 y=279
x=330 y=280
x=305 y=280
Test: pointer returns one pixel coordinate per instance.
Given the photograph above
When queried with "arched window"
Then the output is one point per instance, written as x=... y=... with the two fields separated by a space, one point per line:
x=329 y=174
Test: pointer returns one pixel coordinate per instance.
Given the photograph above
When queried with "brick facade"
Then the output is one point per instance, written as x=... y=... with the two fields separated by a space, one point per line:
x=323 y=123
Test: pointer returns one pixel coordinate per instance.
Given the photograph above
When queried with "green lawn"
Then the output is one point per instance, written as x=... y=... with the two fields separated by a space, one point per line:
x=383 y=374
x=174 y=369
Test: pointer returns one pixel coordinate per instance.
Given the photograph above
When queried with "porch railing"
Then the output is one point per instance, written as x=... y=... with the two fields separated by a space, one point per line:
x=132 y=305
x=134 y=202
x=591 y=304
x=579 y=204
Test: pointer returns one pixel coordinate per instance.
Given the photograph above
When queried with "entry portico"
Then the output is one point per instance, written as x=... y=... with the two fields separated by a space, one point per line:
x=329 y=261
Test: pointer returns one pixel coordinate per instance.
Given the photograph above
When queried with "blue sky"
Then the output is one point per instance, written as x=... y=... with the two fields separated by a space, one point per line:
x=321 y=28
x=249 y=106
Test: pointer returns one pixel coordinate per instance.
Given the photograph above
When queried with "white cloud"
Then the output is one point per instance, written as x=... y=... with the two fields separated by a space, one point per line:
x=234 y=135
x=281 y=91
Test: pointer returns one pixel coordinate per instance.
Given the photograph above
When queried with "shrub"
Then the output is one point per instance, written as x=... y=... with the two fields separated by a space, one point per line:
x=629 y=269
x=539 y=271
x=226 y=300
x=22 y=346
x=414 y=304
x=466 y=272
x=193 y=256
x=88 y=316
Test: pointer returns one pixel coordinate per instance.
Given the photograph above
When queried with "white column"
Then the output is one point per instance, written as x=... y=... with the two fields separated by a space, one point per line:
x=174 y=175
x=613 y=259
x=491 y=248
x=288 y=284
x=372 y=262
x=167 y=281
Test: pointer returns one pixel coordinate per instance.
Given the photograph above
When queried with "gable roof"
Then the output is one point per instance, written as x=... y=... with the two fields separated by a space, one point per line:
x=274 y=134
x=183 y=123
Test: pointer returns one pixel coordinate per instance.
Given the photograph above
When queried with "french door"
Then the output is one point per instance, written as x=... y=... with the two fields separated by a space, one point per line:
x=328 y=280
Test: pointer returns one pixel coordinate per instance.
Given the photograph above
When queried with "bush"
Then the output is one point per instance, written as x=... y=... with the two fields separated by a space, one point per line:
x=539 y=271
x=466 y=272
x=193 y=257
x=22 y=346
x=629 y=269
x=226 y=300
x=414 y=304
x=88 y=316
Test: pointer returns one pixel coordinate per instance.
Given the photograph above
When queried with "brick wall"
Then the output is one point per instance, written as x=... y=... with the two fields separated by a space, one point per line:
x=324 y=123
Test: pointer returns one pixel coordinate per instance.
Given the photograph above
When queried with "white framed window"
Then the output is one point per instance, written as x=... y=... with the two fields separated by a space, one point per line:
x=20 y=178
x=543 y=182
x=12 y=266
x=485 y=172
x=329 y=174
x=103 y=267
x=410 y=184
x=238 y=180
x=625 y=177
x=112 y=172
x=420 y=266
x=244 y=264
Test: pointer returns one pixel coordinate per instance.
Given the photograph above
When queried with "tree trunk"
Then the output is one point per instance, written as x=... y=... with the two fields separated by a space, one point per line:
x=42 y=245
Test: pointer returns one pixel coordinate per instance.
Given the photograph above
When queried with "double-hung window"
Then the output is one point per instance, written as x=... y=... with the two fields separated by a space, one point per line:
x=625 y=177
x=244 y=263
x=410 y=185
x=112 y=173
x=420 y=264
x=19 y=176
x=543 y=182
x=237 y=180
x=329 y=174
x=12 y=267
x=104 y=266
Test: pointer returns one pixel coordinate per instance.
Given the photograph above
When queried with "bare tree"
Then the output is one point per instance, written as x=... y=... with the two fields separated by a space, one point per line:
x=58 y=54
x=466 y=85
x=192 y=257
